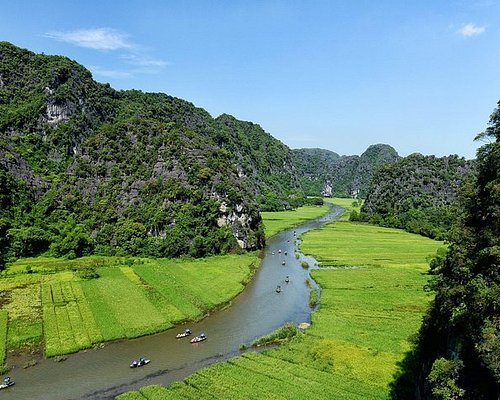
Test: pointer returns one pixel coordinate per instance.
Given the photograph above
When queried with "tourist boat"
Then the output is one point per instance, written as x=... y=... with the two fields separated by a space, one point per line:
x=139 y=363
x=7 y=382
x=186 y=332
x=200 y=338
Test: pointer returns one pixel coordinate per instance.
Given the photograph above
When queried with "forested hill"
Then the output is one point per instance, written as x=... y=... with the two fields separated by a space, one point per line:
x=417 y=193
x=85 y=168
x=323 y=172
x=458 y=348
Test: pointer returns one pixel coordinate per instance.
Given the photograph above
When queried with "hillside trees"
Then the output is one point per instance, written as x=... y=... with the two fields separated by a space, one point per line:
x=463 y=324
x=123 y=172
x=417 y=193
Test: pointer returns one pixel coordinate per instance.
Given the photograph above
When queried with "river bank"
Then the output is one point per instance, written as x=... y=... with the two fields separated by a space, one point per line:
x=104 y=373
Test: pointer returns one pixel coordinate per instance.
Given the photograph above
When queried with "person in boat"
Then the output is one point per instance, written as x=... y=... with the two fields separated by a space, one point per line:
x=7 y=380
x=188 y=331
x=287 y=279
x=135 y=363
x=278 y=288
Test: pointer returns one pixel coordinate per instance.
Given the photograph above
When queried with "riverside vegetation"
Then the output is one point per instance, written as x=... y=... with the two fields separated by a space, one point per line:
x=372 y=301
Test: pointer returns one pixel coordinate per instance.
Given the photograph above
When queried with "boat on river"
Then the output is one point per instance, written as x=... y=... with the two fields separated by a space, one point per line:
x=186 y=332
x=139 y=363
x=200 y=338
x=7 y=382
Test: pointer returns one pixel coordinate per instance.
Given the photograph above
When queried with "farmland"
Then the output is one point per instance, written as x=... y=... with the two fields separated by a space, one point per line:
x=372 y=302
x=275 y=222
x=46 y=302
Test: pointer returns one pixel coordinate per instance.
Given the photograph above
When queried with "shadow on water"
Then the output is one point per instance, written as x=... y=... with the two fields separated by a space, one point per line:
x=258 y=310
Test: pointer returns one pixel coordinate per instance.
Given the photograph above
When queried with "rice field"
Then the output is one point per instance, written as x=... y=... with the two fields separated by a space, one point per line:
x=275 y=222
x=52 y=307
x=372 y=302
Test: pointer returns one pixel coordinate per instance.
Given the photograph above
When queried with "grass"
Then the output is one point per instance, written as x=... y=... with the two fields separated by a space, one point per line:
x=348 y=204
x=275 y=222
x=53 y=306
x=286 y=332
x=372 y=302
x=3 y=335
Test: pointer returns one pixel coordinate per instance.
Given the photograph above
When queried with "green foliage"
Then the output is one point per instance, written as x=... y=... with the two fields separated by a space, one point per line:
x=3 y=336
x=417 y=194
x=463 y=322
x=313 y=297
x=285 y=333
x=324 y=173
x=77 y=175
x=443 y=379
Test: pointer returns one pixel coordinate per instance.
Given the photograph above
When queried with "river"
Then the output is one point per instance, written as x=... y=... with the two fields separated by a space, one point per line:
x=104 y=373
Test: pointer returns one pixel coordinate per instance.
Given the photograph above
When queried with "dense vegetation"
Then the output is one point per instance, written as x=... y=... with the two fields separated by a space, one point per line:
x=358 y=335
x=416 y=193
x=458 y=352
x=87 y=169
x=324 y=172
x=69 y=305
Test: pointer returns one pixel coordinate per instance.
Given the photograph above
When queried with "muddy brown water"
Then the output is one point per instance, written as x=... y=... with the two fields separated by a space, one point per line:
x=104 y=373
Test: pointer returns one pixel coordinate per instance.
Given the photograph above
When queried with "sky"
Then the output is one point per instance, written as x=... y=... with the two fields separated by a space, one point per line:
x=420 y=75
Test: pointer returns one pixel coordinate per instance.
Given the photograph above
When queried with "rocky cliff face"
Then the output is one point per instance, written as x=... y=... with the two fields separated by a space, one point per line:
x=417 y=193
x=121 y=172
x=326 y=173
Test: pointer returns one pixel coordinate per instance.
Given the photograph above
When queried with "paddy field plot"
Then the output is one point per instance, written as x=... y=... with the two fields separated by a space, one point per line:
x=275 y=222
x=51 y=306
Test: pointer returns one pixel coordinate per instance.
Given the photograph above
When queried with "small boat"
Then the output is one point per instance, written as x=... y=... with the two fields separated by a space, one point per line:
x=279 y=251
x=283 y=262
x=287 y=279
x=286 y=253
x=200 y=338
x=186 y=332
x=139 y=363
x=7 y=382
x=278 y=289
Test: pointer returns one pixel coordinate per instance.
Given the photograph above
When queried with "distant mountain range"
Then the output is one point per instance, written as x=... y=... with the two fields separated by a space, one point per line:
x=323 y=172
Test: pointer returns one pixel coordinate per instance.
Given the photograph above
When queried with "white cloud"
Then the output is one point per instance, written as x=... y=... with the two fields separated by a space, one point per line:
x=99 y=38
x=144 y=61
x=110 y=73
x=470 y=29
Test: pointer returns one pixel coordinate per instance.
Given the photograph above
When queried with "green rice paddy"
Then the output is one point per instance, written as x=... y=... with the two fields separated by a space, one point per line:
x=372 y=302
x=275 y=222
x=51 y=306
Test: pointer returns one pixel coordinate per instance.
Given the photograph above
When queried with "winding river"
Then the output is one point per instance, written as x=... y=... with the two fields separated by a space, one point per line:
x=104 y=373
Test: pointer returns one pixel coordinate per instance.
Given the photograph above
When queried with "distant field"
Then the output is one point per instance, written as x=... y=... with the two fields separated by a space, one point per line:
x=349 y=205
x=52 y=305
x=275 y=222
x=372 y=302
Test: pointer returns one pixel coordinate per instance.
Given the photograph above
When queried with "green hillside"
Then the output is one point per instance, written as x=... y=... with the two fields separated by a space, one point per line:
x=88 y=169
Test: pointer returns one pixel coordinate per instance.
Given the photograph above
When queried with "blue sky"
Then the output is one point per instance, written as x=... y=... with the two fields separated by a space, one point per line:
x=420 y=75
